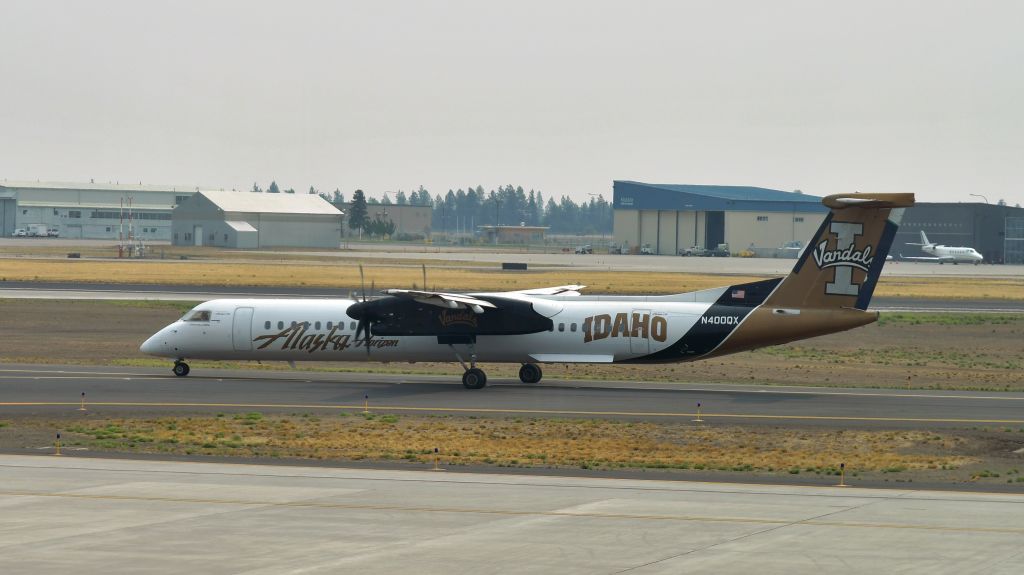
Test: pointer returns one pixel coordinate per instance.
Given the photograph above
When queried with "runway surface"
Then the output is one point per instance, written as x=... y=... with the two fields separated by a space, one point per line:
x=78 y=515
x=50 y=290
x=55 y=390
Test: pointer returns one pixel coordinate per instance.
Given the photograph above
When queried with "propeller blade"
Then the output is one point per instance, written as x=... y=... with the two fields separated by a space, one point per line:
x=362 y=282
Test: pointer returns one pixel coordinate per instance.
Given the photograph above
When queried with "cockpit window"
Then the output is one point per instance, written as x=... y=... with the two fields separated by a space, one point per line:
x=199 y=315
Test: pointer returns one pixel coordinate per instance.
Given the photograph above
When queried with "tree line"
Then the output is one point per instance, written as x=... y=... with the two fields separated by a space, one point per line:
x=464 y=210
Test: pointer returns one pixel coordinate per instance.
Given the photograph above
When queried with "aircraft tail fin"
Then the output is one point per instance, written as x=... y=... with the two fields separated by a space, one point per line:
x=842 y=263
x=924 y=239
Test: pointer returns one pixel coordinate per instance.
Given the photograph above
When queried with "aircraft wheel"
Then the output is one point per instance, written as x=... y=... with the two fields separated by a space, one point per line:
x=474 y=378
x=181 y=369
x=530 y=373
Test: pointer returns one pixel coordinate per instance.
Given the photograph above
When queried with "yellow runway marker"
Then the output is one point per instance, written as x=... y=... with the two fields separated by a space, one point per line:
x=382 y=408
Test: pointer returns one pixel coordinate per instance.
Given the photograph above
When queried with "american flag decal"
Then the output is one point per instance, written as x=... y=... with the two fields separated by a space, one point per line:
x=739 y=294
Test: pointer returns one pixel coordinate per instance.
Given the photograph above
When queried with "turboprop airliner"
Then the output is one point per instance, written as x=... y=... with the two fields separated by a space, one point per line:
x=943 y=254
x=827 y=291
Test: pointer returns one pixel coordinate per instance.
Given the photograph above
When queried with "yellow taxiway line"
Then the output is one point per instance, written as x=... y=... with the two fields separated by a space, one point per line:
x=517 y=411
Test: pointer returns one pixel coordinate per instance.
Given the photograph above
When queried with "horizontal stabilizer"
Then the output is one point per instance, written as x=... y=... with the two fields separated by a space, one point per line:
x=840 y=201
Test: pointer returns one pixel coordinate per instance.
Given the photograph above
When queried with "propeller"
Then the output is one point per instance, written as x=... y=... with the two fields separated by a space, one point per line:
x=360 y=312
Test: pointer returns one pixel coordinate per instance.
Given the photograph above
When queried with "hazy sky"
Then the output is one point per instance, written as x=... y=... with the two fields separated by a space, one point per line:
x=827 y=97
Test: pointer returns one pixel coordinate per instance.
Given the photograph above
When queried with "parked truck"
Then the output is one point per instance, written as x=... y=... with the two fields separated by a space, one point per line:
x=36 y=230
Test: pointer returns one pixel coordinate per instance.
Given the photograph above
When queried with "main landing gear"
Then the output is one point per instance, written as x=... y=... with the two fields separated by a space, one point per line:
x=474 y=377
x=180 y=368
x=530 y=373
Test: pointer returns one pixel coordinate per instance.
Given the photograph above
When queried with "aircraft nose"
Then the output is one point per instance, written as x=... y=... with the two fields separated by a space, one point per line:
x=157 y=343
x=151 y=345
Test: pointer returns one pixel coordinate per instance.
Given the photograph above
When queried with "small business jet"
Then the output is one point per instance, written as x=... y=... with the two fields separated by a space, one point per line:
x=828 y=291
x=943 y=254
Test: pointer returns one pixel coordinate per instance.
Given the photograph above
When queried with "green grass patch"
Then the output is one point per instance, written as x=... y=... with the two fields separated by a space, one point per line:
x=929 y=318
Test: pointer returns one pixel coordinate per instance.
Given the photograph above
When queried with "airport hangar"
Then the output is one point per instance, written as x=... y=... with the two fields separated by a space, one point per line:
x=669 y=217
x=997 y=232
x=256 y=220
x=90 y=210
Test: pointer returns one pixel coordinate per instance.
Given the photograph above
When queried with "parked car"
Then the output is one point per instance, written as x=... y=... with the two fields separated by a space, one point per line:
x=19 y=233
x=53 y=233
x=584 y=249
x=693 y=251
x=647 y=250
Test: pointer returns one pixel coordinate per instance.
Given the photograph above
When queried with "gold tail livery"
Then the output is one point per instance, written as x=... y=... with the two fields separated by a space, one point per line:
x=828 y=291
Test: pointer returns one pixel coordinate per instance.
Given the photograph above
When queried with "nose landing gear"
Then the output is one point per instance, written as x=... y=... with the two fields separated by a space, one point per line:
x=180 y=368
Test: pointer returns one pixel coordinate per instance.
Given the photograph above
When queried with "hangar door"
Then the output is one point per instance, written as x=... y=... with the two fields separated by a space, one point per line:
x=8 y=207
x=714 y=229
x=241 y=330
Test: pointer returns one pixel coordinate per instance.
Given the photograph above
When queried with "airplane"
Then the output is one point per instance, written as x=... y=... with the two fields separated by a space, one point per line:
x=943 y=254
x=827 y=291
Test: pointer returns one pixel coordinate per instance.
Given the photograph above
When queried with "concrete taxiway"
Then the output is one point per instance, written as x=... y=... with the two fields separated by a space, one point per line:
x=90 y=516
x=54 y=390
x=56 y=290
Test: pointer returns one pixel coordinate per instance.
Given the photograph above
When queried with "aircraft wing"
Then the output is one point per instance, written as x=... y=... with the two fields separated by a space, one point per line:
x=444 y=300
x=923 y=259
x=571 y=289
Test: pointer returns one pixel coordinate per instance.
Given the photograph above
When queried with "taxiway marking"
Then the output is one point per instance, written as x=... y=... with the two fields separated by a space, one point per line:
x=385 y=408
x=789 y=390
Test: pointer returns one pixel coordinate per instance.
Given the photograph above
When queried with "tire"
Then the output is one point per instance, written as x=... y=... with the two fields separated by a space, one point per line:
x=530 y=373
x=181 y=369
x=474 y=378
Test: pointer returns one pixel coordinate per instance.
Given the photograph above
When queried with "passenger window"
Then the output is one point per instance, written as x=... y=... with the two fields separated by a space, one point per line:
x=561 y=327
x=203 y=315
x=328 y=326
x=266 y=325
x=294 y=324
x=572 y=327
x=318 y=326
x=352 y=325
x=280 y=325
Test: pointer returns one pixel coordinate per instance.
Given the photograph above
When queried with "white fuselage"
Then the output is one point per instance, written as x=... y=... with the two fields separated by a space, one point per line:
x=586 y=330
x=953 y=254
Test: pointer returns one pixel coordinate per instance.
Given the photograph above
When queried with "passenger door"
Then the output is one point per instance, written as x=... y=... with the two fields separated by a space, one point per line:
x=641 y=344
x=241 y=329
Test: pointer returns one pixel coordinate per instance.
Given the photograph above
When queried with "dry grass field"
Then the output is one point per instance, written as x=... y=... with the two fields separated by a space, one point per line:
x=945 y=456
x=444 y=276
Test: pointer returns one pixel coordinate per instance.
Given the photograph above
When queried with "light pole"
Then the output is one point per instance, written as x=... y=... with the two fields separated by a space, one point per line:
x=497 y=218
x=979 y=196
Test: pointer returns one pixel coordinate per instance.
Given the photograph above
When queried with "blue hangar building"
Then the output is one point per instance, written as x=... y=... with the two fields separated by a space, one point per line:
x=672 y=217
